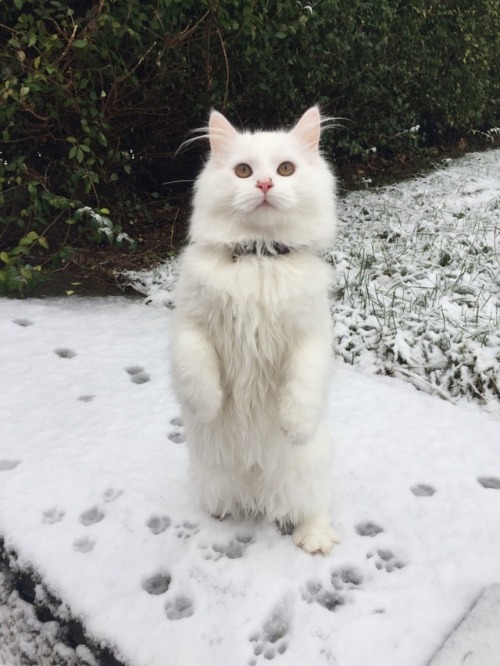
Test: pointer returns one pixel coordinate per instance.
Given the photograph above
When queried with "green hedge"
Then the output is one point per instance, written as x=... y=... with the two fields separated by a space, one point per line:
x=95 y=101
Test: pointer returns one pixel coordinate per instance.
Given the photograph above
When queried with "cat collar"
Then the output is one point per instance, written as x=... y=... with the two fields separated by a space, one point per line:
x=273 y=249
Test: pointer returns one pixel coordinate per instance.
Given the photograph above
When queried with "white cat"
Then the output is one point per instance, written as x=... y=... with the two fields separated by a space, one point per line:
x=251 y=350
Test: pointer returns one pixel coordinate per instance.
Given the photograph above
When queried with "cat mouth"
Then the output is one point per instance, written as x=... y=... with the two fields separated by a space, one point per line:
x=265 y=203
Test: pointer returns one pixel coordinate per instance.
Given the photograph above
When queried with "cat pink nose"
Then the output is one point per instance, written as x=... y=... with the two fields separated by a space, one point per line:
x=265 y=185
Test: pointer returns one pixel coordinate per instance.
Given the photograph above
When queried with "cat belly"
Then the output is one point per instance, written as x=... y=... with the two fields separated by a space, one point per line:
x=257 y=472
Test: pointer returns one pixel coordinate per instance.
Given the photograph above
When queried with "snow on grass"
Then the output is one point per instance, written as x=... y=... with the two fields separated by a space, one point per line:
x=416 y=281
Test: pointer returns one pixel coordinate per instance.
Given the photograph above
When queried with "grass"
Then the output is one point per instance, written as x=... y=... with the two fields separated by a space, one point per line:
x=417 y=280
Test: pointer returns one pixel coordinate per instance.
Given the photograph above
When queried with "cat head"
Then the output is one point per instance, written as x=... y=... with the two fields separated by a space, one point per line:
x=265 y=186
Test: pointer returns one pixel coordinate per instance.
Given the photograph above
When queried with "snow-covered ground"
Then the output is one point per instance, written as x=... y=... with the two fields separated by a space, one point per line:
x=94 y=502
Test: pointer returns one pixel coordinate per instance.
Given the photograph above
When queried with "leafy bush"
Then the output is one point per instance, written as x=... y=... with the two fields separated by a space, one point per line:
x=96 y=100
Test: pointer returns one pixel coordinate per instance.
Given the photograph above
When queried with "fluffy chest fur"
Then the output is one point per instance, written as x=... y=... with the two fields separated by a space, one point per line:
x=253 y=309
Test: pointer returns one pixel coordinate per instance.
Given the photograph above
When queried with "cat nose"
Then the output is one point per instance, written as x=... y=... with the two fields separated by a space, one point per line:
x=265 y=185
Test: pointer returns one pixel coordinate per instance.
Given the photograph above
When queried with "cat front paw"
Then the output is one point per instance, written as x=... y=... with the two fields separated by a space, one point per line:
x=206 y=406
x=298 y=424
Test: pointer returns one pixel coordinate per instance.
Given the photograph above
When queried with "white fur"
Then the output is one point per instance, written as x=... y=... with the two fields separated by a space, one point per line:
x=252 y=336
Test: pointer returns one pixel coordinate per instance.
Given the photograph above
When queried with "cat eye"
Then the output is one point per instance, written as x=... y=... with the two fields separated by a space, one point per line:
x=286 y=169
x=243 y=170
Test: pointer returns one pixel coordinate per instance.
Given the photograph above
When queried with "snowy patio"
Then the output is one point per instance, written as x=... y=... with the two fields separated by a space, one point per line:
x=93 y=499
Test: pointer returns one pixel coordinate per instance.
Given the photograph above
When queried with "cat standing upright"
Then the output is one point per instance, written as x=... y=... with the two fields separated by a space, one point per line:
x=251 y=349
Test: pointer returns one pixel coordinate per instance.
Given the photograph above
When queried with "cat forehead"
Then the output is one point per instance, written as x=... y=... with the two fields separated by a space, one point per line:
x=265 y=146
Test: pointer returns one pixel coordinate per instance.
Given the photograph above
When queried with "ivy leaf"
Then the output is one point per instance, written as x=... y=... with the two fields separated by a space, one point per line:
x=80 y=43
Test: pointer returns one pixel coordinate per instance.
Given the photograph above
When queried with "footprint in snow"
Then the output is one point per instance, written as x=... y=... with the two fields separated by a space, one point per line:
x=489 y=482
x=84 y=545
x=137 y=374
x=23 y=322
x=346 y=578
x=423 y=490
x=385 y=560
x=177 y=437
x=157 y=584
x=368 y=529
x=233 y=550
x=342 y=581
x=158 y=524
x=271 y=640
x=111 y=494
x=7 y=465
x=86 y=398
x=63 y=352
x=179 y=607
x=91 y=516
x=52 y=516
x=186 y=530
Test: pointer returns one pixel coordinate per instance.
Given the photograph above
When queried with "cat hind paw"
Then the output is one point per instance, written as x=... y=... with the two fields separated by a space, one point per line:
x=315 y=540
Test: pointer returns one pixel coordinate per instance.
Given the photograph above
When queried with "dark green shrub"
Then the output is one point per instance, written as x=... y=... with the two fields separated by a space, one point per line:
x=96 y=99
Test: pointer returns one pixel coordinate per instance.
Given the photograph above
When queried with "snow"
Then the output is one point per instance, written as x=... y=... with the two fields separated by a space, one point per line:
x=476 y=641
x=94 y=500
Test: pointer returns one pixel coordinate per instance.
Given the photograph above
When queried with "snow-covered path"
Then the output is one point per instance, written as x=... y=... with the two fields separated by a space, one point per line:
x=94 y=499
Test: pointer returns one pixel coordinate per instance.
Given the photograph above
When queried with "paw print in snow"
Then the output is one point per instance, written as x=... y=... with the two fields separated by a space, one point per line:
x=423 y=490
x=7 y=465
x=186 y=530
x=92 y=516
x=158 y=524
x=368 y=529
x=86 y=398
x=177 y=436
x=271 y=640
x=385 y=560
x=233 y=550
x=492 y=482
x=111 y=494
x=52 y=516
x=342 y=581
x=137 y=374
x=84 y=545
x=157 y=584
x=179 y=607
x=329 y=599
x=23 y=322
x=348 y=578
x=63 y=352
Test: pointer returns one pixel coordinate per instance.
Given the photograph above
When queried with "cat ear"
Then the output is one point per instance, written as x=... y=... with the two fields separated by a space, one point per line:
x=308 y=129
x=220 y=133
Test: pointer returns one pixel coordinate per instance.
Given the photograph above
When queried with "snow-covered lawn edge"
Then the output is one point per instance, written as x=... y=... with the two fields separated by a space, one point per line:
x=416 y=291
x=31 y=630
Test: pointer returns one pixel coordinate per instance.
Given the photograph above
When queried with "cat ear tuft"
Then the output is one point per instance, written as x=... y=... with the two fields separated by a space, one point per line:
x=308 y=129
x=220 y=132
